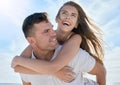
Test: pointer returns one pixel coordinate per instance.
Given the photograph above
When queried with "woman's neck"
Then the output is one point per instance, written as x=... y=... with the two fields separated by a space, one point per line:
x=62 y=36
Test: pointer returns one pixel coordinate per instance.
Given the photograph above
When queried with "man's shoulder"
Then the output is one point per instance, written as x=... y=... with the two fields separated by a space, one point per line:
x=59 y=47
x=33 y=56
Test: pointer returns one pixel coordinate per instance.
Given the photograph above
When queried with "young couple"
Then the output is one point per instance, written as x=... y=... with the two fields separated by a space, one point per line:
x=45 y=62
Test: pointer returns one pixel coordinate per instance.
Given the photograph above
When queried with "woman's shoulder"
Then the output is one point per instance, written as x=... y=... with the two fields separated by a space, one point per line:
x=75 y=37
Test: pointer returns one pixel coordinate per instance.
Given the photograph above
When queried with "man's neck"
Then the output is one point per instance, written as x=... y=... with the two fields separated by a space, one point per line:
x=44 y=55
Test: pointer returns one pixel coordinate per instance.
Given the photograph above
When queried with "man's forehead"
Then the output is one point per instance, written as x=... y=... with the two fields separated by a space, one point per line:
x=42 y=25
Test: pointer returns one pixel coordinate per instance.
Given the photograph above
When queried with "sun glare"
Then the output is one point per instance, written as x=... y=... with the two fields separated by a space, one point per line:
x=5 y=5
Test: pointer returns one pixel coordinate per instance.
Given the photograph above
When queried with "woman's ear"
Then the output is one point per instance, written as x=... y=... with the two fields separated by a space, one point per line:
x=76 y=25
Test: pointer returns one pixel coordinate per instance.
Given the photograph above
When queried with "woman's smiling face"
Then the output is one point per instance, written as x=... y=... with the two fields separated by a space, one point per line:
x=67 y=19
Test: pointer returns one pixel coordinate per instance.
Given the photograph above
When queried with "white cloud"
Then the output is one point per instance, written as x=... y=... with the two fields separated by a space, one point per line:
x=17 y=46
x=100 y=10
x=113 y=52
x=112 y=64
x=111 y=30
x=7 y=75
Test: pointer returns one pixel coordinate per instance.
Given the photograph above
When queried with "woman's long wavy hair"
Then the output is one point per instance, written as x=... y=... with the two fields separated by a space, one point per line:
x=90 y=33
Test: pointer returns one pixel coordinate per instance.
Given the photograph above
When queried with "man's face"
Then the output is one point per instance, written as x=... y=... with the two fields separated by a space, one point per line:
x=44 y=36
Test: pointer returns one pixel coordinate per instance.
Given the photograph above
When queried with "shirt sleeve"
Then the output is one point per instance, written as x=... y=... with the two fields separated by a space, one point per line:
x=86 y=61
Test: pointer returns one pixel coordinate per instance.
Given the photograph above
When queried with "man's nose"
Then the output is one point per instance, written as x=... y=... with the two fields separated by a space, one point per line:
x=52 y=33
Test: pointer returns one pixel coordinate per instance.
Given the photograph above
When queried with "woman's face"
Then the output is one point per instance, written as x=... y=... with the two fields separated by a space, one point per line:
x=67 y=18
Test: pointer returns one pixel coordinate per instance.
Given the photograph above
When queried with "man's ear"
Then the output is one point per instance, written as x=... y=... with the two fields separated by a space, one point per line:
x=30 y=40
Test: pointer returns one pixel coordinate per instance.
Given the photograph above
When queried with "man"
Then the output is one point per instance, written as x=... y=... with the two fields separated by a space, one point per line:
x=39 y=33
x=41 y=36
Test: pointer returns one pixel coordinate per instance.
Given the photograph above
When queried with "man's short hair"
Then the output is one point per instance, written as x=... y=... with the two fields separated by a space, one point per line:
x=31 y=20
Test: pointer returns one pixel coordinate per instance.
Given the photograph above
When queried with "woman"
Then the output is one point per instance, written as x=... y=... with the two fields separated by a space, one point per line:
x=72 y=21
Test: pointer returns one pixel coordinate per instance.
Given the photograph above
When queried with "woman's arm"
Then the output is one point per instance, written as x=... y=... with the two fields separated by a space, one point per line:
x=100 y=72
x=65 y=74
x=67 y=53
x=27 y=52
x=24 y=70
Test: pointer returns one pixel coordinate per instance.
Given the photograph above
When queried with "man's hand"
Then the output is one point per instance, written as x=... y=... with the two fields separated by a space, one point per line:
x=66 y=74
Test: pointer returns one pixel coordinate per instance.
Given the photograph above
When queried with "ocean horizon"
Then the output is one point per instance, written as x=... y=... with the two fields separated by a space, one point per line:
x=10 y=84
x=113 y=83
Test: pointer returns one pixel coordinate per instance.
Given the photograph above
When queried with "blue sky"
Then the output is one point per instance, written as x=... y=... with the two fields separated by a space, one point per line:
x=12 y=13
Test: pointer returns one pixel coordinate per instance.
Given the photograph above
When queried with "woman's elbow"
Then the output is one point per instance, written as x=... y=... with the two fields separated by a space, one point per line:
x=55 y=68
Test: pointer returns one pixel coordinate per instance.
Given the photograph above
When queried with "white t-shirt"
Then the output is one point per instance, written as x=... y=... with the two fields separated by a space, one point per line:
x=82 y=62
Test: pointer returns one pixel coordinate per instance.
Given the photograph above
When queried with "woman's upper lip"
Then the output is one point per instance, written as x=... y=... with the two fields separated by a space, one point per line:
x=66 y=23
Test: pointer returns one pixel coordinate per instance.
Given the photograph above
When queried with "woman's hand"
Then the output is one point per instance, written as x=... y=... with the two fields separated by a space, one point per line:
x=65 y=74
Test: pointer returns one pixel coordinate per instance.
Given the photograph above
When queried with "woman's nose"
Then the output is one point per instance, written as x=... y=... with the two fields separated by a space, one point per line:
x=68 y=17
